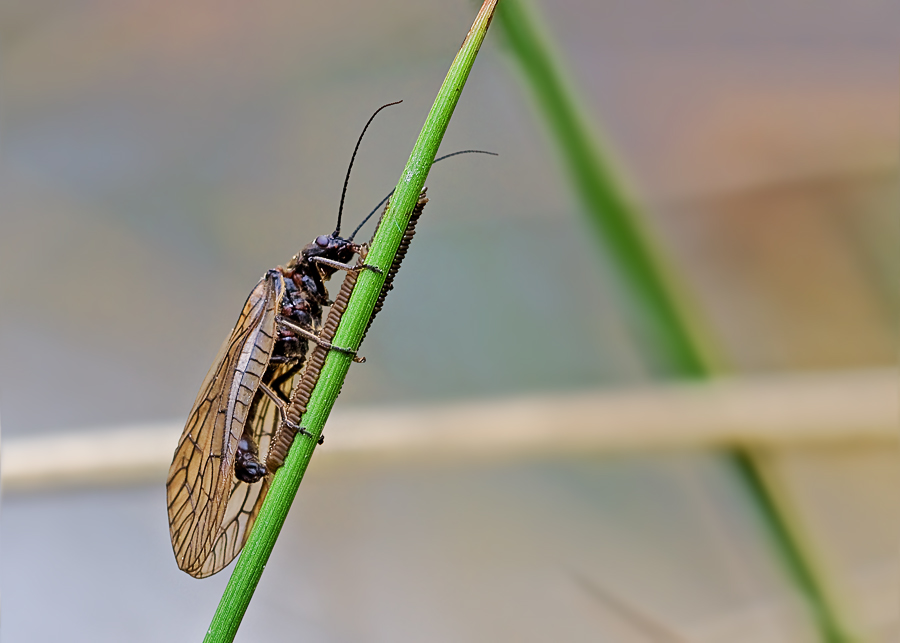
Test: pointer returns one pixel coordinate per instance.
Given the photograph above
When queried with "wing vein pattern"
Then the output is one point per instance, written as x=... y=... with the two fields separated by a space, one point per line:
x=210 y=511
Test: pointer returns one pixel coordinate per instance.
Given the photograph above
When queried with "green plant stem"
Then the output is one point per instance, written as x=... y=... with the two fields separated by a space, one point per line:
x=284 y=487
x=611 y=213
x=666 y=327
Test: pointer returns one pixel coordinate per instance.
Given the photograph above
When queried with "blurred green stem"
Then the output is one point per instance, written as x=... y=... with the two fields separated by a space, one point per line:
x=667 y=328
x=353 y=324
x=611 y=213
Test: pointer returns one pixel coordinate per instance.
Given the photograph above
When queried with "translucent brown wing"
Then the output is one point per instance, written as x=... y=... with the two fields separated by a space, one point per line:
x=246 y=499
x=209 y=510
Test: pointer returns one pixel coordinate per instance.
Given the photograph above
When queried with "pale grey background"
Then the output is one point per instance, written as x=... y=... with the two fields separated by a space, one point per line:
x=158 y=157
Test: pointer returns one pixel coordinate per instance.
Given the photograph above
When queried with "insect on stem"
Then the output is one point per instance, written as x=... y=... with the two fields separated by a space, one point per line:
x=216 y=483
x=257 y=389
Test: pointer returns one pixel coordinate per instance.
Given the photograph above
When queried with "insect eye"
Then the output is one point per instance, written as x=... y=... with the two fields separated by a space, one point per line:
x=322 y=241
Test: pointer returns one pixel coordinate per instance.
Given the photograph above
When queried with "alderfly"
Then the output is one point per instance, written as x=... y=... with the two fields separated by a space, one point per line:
x=212 y=498
x=251 y=400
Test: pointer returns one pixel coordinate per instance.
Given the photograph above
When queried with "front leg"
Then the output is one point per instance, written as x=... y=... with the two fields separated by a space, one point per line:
x=345 y=266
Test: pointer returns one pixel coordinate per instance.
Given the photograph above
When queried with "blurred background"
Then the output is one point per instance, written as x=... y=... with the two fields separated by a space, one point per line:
x=158 y=157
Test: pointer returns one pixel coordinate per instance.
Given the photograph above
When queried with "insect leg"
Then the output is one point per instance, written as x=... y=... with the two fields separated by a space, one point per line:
x=347 y=267
x=318 y=340
x=281 y=404
x=282 y=408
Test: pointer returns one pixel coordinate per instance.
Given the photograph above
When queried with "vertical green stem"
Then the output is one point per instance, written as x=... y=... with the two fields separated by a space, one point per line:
x=353 y=324
x=667 y=327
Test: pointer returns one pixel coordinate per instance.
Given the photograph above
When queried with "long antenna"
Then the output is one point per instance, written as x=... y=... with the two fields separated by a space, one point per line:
x=337 y=230
x=445 y=156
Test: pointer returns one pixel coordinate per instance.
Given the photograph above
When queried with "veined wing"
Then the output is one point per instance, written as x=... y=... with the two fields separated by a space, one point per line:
x=201 y=479
x=246 y=499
